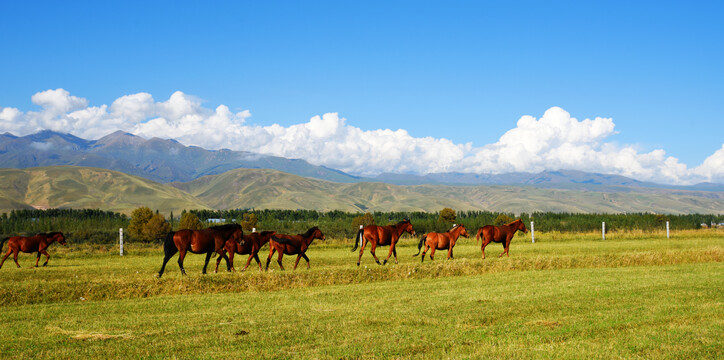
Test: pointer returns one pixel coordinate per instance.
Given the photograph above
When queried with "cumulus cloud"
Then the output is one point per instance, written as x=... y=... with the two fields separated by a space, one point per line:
x=554 y=141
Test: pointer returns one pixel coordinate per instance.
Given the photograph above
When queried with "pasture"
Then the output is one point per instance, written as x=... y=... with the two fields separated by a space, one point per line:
x=566 y=296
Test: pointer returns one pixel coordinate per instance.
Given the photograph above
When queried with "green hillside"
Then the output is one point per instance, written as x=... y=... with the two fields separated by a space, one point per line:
x=84 y=187
x=270 y=189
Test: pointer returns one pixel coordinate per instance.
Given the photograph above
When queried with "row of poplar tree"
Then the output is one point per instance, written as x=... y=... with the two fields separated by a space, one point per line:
x=92 y=225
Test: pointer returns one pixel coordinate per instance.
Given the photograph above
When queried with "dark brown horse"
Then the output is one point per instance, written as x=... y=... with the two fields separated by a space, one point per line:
x=31 y=244
x=251 y=245
x=441 y=241
x=208 y=241
x=293 y=245
x=500 y=234
x=381 y=236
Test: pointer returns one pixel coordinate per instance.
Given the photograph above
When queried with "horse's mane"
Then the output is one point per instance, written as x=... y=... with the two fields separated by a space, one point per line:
x=404 y=221
x=514 y=221
x=309 y=232
x=50 y=234
x=265 y=233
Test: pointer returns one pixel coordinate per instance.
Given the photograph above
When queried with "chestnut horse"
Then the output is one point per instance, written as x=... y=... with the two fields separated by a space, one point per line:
x=208 y=241
x=441 y=241
x=382 y=235
x=293 y=244
x=500 y=234
x=251 y=245
x=31 y=244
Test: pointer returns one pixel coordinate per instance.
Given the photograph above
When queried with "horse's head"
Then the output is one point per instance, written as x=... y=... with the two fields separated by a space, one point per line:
x=317 y=234
x=59 y=237
x=407 y=226
x=463 y=231
x=237 y=234
x=519 y=225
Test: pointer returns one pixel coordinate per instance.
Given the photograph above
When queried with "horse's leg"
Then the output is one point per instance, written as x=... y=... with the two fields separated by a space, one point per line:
x=306 y=258
x=279 y=259
x=394 y=252
x=362 y=250
x=8 y=254
x=230 y=262
x=248 y=261
x=389 y=253
x=482 y=248
x=425 y=247
x=449 y=252
x=206 y=262
x=37 y=259
x=432 y=252
x=506 y=247
x=15 y=257
x=256 y=257
x=47 y=257
x=372 y=250
x=218 y=261
x=271 y=253
x=181 y=256
x=297 y=262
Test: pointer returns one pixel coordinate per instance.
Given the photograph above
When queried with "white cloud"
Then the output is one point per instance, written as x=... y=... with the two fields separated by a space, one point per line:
x=554 y=141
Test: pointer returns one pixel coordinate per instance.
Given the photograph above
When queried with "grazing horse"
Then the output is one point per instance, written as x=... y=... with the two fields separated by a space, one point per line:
x=208 y=241
x=251 y=245
x=31 y=244
x=441 y=241
x=500 y=234
x=293 y=244
x=382 y=235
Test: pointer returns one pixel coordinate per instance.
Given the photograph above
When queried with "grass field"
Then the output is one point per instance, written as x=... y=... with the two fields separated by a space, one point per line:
x=635 y=295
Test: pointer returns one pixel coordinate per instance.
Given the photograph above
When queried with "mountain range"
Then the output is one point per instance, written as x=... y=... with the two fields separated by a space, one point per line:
x=164 y=160
x=122 y=171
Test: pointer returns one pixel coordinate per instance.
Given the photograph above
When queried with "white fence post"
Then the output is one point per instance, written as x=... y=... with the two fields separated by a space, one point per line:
x=603 y=230
x=532 y=233
x=667 y=230
x=253 y=229
x=120 y=241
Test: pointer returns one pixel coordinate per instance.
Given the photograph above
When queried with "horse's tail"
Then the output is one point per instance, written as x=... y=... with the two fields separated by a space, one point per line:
x=281 y=240
x=2 y=242
x=479 y=235
x=169 y=247
x=358 y=239
x=419 y=246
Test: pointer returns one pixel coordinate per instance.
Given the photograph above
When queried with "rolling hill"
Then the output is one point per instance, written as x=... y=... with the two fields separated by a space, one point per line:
x=247 y=188
x=84 y=187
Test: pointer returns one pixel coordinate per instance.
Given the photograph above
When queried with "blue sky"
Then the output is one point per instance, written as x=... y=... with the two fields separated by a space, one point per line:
x=462 y=71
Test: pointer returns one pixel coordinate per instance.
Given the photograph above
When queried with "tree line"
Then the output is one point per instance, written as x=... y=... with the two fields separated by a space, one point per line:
x=93 y=225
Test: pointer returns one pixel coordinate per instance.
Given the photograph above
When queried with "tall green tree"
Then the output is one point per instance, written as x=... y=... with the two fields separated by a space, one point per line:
x=248 y=221
x=189 y=220
x=156 y=228
x=364 y=220
x=447 y=215
x=139 y=218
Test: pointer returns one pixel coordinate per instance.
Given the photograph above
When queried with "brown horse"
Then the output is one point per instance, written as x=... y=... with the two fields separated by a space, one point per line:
x=380 y=236
x=500 y=234
x=251 y=245
x=293 y=244
x=441 y=241
x=208 y=241
x=31 y=244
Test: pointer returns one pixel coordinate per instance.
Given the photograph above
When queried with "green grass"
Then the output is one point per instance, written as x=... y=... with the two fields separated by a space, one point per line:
x=634 y=295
